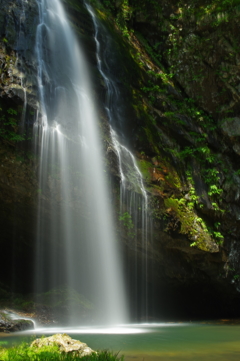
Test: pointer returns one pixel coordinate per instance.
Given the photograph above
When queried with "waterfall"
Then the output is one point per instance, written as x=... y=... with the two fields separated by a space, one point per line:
x=76 y=243
x=133 y=196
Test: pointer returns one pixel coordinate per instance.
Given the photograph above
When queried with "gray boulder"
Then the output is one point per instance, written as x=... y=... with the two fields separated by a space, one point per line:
x=65 y=344
x=231 y=127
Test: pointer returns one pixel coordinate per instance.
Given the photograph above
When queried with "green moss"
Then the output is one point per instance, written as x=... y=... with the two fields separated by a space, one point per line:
x=191 y=225
x=126 y=220
x=9 y=124
x=145 y=168
x=173 y=178
x=155 y=188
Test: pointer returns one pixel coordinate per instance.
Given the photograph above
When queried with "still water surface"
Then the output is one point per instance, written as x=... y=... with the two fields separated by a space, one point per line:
x=152 y=342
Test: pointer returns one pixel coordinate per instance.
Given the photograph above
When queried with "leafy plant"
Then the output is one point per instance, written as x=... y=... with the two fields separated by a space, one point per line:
x=128 y=223
x=218 y=235
x=24 y=352
x=9 y=126
x=123 y=17
x=213 y=189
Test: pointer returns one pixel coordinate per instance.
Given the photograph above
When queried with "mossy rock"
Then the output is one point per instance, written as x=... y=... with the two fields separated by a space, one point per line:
x=65 y=344
x=191 y=225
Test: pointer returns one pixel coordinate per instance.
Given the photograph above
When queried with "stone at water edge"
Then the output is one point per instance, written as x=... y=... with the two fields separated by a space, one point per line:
x=7 y=324
x=65 y=344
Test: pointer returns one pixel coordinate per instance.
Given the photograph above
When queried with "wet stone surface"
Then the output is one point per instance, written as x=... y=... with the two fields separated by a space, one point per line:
x=9 y=325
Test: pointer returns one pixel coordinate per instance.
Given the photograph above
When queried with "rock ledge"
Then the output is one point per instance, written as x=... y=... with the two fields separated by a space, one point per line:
x=7 y=324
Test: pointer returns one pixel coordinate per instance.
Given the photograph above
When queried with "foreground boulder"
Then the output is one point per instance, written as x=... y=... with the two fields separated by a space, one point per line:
x=9 y=325
x=65 y=344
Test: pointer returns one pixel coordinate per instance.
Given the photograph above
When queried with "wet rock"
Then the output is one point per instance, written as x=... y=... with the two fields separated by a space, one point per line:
x=65 y=344
x=231 y=127
x=236 y=148
x=9 y=325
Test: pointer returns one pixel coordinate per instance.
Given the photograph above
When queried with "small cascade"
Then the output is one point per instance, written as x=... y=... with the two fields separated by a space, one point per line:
x=14 y=316
x=133 y=196
x=76 y=244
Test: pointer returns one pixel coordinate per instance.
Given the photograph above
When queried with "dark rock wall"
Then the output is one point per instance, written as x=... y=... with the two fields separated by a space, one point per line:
x=186 y=103
x=18 y=182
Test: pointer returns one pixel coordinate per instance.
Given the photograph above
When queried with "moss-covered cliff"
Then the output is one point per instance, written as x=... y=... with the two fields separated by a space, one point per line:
x=186 y=100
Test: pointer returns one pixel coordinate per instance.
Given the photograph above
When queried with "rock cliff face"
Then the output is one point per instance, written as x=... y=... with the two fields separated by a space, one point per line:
x=18 y=182
x=177 y=66
x=187 y=115
x=8 y=324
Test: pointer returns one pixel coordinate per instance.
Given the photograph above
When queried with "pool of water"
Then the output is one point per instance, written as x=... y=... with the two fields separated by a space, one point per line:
x=151 y=342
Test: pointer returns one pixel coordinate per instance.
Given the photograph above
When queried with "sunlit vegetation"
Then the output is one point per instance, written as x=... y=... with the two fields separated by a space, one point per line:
x=24 y=352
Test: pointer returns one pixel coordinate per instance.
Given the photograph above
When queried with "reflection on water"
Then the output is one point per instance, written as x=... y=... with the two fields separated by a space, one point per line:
x=152 y=342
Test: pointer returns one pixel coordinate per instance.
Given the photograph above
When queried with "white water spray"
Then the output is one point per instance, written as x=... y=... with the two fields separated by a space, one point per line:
x=76 y=244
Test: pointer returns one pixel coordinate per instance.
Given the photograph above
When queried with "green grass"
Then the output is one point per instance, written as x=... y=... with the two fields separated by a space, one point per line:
x=24 y=352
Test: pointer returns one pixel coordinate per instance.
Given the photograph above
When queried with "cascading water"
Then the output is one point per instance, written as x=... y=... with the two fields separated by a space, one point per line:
x=76 y=244
x=133 y=196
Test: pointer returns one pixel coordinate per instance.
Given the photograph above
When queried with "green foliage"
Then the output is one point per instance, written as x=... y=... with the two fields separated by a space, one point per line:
x=193 y=244
x=215 y=12
x=12 y=111
x=211 y=175
x=151 y=90
x=213 y=189
x=206 y=158
x=202 y=153
x=24 y=352
x=145 y=166
x=123 y=17
x=217 y=225
x=187 y=151
x=109 y=4
x=191 y=225
x=183 y=208
x=126 y=219
x=217 y=208
x=152 y=52
x=158 y=85
x=9 y=126
x=218 y=235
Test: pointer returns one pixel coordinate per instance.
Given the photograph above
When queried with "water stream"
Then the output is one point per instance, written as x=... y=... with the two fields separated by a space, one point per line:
x=133 y=195
x=76 y=244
